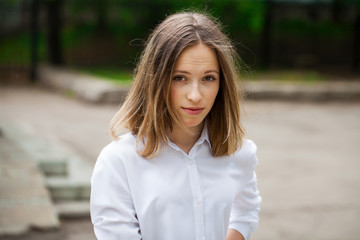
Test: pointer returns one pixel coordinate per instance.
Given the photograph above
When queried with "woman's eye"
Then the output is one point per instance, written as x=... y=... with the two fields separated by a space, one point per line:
x=179 y=78
x=209 y=78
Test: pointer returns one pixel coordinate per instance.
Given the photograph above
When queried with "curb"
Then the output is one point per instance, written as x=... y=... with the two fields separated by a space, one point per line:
x=314 y=92
x=83 y=86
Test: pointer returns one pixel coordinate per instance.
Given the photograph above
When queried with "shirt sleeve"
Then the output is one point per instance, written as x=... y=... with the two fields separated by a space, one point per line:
x=244 y=215
x=112 y=210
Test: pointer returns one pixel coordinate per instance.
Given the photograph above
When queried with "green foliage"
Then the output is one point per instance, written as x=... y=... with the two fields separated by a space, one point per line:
x=16 y=49
x=129 y=22
x=240 y=16
x=77 y=35
x=299 y=27
x=9 y=3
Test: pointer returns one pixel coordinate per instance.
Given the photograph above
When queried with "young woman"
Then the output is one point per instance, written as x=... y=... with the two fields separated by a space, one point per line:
x=184 y=170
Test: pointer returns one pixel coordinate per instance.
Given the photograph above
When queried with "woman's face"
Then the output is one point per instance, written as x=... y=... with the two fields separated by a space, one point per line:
x=195 y=84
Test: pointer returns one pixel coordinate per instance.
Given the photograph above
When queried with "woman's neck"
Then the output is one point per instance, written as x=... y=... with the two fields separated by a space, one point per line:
x=185 y=138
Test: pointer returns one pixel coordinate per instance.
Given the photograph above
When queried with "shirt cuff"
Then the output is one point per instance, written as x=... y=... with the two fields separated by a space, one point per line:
x=243 y=228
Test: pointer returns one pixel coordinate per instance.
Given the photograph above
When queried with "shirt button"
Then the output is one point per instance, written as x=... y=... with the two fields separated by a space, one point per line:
x=190 y=162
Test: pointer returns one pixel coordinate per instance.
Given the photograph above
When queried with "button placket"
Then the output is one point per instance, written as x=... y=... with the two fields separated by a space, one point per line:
x=197 y=198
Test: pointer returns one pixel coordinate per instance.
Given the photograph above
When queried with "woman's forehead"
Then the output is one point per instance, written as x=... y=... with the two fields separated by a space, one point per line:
x=197 y=56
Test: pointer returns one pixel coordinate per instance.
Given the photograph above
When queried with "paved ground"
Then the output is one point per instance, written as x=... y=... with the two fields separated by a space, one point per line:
x=71 y=229
x=309 y=159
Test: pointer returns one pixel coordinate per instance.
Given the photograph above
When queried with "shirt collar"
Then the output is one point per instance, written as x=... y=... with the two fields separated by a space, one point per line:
x=203 y=137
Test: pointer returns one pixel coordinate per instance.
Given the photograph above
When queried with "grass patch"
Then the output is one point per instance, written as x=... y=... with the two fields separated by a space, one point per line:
x=69 y=93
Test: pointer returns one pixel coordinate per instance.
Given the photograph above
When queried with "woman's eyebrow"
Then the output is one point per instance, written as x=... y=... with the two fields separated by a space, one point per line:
x=206 y=72
x=181 y=71
x=211 y=71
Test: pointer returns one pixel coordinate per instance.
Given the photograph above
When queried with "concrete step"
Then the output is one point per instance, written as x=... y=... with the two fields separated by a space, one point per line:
x=76 y=185
x=24 y=199
x=73 y=209
x=65 y=189
x=67 y=176
x=51 y=160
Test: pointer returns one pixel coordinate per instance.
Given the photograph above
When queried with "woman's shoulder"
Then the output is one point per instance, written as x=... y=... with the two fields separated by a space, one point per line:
x=121 y=148
x=247 y=149
x=113 y=158
x=246 y=154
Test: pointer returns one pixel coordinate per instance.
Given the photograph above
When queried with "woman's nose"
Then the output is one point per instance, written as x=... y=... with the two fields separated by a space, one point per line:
x=194 y=94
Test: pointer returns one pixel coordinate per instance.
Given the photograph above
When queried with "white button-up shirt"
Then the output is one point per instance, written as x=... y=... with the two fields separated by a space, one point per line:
x=174 y=196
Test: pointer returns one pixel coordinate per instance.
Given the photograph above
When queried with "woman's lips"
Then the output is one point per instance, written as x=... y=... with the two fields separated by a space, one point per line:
x=193 y=111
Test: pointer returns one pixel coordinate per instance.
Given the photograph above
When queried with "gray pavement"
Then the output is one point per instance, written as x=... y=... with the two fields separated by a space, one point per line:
x=308 y=154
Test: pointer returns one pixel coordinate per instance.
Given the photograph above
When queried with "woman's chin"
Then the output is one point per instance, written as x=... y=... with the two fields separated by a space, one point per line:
x=193 y=124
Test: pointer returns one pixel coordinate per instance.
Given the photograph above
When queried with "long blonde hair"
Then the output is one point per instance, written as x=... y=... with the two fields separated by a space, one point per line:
x=147 y=110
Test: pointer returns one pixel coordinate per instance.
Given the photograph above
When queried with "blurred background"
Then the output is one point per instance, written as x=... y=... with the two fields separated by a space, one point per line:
x=106 y=36
x=66 y=66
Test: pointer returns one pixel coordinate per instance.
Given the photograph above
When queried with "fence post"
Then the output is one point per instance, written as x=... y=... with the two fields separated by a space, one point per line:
x=356 y=47
x=54 y=25
x=34 y=39
x=266 y=35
